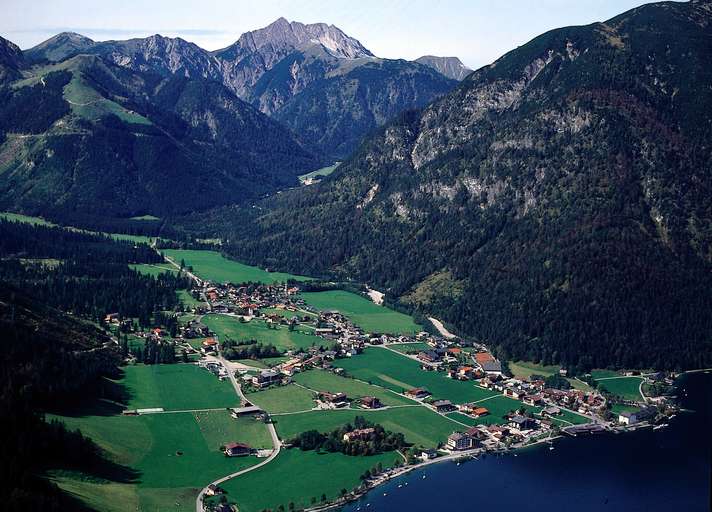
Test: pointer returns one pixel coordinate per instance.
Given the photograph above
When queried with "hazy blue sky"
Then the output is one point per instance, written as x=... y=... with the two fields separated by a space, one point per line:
x=477 y=31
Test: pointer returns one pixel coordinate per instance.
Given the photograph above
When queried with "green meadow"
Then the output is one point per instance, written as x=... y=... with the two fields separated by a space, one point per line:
x=39 y=221
x=362 y=312
x=154 y=270
x=525 y=369
x=176 y=387
x=627 y=388
x=324 y=171
x=321 y=380
x=213 y=266
x=297 y=476
x=256 y=329
x=419 y=424
x=172 y=455
x=399 y=373
x=409 y=348
x=283 y=399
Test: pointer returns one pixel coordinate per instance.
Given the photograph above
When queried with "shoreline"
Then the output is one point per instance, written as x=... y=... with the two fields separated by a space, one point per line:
x=389 y=475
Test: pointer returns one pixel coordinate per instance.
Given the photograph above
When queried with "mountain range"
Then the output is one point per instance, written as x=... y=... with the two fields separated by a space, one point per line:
x=321 y=83
x=555 y=204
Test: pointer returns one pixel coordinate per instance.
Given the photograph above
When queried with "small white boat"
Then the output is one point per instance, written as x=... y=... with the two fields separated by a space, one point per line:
x=458 y=463
x=385 y=494
x=551 y=447
x=400 y=485
x=423 y=476
x=405 y=483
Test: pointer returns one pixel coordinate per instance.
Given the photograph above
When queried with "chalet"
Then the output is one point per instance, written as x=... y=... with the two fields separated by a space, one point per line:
x=479 y=411
x=213 y=489
x=551 y=411
x=209 y=346
x=514 y=392
x=370 y=402
x=336 y=400
x=237 y=450
x=428 y=356
x=454 y=351
x=417 y=393
x=429 y=454
x=459 y=441
x=443 y=406
x=532 y=399
x=358 y=434
x=466 y=372
x=492 y=367
x=112 y=318
x=633 y=417
x=266 y=378
x=521 y=422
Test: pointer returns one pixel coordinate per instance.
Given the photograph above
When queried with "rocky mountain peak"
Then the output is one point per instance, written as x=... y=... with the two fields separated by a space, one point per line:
x=282 y=35
x=451 y=67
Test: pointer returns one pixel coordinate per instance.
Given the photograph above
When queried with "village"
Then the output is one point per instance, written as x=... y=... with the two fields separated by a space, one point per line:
x=337 y=338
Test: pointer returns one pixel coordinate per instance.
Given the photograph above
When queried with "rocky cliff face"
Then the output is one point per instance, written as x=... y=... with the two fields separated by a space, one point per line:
x=451 y=67
x=566 y=185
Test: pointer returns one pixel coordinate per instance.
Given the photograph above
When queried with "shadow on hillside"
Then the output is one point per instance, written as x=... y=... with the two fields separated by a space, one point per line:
x=108 y=397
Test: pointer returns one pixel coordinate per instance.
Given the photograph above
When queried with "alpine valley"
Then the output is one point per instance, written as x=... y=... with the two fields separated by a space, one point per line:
x=292 y=275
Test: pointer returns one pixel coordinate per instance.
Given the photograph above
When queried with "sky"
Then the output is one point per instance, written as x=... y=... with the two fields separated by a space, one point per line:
x=477 y=31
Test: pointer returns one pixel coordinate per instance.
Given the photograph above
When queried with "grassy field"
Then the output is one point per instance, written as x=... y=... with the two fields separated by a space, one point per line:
x=419 y=424
x=282 y=337
x=525 y=369
x=283 y=399
x=399 y=373
x=498 y=406
x=602 y=374
x=405 y=348
x=320 y=380
x=619 y=408
x=324 y=171
x=297 y=476
x=154 y=270
x=286 y=314
x=363 y=312
x=624 y=387
x=176 y=387
x=18 y=217
x=187 y=299
x=173 y=455
x=88 y=103
x=39 y=221
x=212 y=266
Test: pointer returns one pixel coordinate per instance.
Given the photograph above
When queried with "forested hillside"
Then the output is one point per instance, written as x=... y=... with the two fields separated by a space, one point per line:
x=555 y=205
x=87 y=137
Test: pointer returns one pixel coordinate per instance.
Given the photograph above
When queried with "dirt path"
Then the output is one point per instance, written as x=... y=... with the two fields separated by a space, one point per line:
x=441 y=328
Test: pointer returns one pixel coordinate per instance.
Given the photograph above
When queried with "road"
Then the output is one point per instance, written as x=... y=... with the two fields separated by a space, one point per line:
x=272 y=432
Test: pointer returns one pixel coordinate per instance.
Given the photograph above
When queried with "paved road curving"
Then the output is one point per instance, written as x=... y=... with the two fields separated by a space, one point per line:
x=270 y=427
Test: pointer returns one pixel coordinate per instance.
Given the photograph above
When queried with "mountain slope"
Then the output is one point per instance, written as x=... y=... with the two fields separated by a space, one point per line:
x=59 y=47
x=561 y=194
x=11 y=61
x=451 y=67
x=107 y=140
